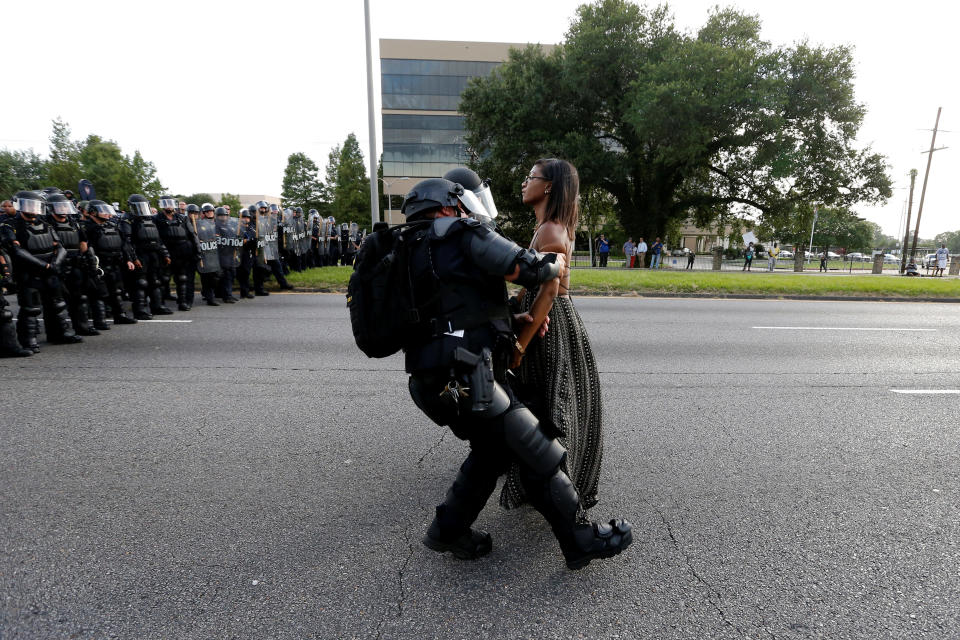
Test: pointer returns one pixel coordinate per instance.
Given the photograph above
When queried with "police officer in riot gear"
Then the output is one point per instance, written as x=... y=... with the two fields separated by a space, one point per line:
x=468 y=179
x=270 y=264
x=152 y=258
x=115 y=257
x=228 y=248
x=62 y=216
x=209 y=261
x=10 y=346
x=37 y=255
x=248 y=252
x=457 y=367
x=183 y=247
x=333 y=242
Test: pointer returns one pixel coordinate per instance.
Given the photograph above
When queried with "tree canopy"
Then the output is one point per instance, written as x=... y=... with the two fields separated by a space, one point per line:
x=347 y=186
x=676 y=125
x=301 y=183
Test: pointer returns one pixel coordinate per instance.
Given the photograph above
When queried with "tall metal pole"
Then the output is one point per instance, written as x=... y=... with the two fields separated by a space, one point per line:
x=374 y=186
x=923 y=190
x=906 y=227
x=816 y=212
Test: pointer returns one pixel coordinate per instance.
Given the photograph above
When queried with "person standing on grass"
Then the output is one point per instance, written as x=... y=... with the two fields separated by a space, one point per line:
x=628 y=253
x=943 y=254
x=641 y=254
x=748 y=257
x=656 y=250
x=603 y=250
x=772 y=257
x=823 y=261
x=690 y=258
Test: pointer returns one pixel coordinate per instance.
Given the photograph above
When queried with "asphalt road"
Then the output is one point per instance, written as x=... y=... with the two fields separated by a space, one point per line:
x=250 y=474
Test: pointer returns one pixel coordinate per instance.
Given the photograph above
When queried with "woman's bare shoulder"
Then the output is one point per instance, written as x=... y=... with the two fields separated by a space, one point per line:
x=552 y=236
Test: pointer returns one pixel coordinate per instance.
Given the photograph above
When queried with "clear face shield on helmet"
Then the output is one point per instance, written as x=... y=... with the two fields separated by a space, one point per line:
x=168 y=203
x=28 y=206
x=63 y=208
x=141 y=209
x=475 y=208
x=485 y=195
x=101 y=210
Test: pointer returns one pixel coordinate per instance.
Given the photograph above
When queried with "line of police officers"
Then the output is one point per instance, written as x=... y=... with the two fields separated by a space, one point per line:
x=73 y=264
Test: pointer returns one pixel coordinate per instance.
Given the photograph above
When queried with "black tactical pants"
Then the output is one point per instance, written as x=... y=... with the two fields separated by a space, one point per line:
x=225 y=285
x=73 y=274
x=41 y=293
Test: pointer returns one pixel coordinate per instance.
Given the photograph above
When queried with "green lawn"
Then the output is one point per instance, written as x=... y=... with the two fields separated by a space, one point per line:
x=622 y=281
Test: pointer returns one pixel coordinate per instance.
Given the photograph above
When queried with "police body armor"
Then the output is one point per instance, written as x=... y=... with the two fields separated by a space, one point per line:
x=303 y=238
x=109 y=243
x=324 y=237
x=174 y=234
x=230 y=242
x=69 y=236
x=462 y=304
x=144 y=233
x=289 y=226
x=209 y=246
x=40 y=240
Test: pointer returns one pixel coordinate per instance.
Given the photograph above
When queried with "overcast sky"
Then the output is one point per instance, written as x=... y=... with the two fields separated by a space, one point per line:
x=218 y=94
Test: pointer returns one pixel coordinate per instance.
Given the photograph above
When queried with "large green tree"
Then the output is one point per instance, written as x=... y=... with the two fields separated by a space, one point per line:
x=949 y=238
x=301 y=183
x=21 y=170
x=347 y=186
x=677 y=125
x=114 y=175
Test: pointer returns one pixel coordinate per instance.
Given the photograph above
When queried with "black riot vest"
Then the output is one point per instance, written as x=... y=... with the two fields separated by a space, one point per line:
x=109 y=242
x=173 y=232
x=38 y=240
x=69 y=235
x=144 y=233
x=454 y=295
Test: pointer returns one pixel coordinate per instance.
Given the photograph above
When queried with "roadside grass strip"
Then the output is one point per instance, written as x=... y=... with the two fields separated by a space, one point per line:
x=645 y=282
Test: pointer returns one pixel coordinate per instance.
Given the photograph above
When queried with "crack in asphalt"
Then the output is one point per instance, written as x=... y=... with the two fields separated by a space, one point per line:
x=714 y=597
x=431 y=450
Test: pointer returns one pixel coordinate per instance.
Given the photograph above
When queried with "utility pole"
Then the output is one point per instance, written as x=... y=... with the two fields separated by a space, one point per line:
x=906 y=227
x=374 y=185
x=926 y=175
x=816 y=213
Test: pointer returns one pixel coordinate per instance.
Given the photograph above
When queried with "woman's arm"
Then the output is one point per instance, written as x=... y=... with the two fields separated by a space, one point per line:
x=550 y=239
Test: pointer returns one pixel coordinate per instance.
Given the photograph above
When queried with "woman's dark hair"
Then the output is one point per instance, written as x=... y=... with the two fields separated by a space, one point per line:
x=563 y=200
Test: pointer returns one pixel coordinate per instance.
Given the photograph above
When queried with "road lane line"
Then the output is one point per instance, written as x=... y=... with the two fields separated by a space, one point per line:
x=927 y=391
x=164 y=320
x=845 y=328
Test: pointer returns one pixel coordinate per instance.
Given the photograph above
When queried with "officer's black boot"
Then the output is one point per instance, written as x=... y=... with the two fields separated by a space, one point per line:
x=58 y=325
x=80 y=314
x=450 y=529
x=157 y=307
x=98 y=309
x=141 y=309
x=119 y=315
x=580 y=540
x=9 y=345
x=182 y=296
x=28 y=326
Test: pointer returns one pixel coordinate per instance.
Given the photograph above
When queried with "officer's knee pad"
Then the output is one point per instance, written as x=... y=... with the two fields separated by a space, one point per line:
x=82 y=298
x=499 y=404
x=181 y=278
x=31 y=311
x=5 y=315
x=525 y=438
x=59 y=305
x=141 y=283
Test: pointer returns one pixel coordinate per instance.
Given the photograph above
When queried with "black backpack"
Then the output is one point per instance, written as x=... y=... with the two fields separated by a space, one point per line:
x=380 y=294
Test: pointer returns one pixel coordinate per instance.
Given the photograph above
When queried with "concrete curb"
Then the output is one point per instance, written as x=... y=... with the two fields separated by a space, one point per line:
x=714 y=296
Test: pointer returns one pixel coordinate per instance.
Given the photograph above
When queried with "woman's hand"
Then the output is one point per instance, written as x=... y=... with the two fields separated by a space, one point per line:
x=526 y=318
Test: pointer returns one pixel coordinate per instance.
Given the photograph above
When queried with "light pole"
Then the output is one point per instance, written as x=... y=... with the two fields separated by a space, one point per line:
x=816 y=213
x=386 y=185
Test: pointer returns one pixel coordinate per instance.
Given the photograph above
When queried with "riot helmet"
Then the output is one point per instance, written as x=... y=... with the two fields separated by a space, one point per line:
x=28 y=203
x=100 y=209
x=59 y=205
x=480 y=188
x=244 y=213
x=49 y=191
x=434 y=193
x=221 y=211
x=167 y=203
x=314 y=212
x=262 y=204
x=274 y=208
x=299 y=210
x=192 y=208
x=206 y=206
x=68 y=194
x=138 y=206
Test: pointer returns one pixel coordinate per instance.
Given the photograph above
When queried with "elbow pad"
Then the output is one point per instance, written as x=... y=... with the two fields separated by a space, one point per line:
x=492 y=252
x=536 y=268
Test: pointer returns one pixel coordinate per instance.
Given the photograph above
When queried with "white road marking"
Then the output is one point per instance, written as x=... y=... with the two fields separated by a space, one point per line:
x=164 y=320
x=845 y=328
x=928 y=391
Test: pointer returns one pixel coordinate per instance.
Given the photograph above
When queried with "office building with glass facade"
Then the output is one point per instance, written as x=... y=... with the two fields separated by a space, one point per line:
x=420 y=86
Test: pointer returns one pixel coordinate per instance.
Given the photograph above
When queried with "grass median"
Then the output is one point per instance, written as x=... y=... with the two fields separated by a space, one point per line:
x=646 y=282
